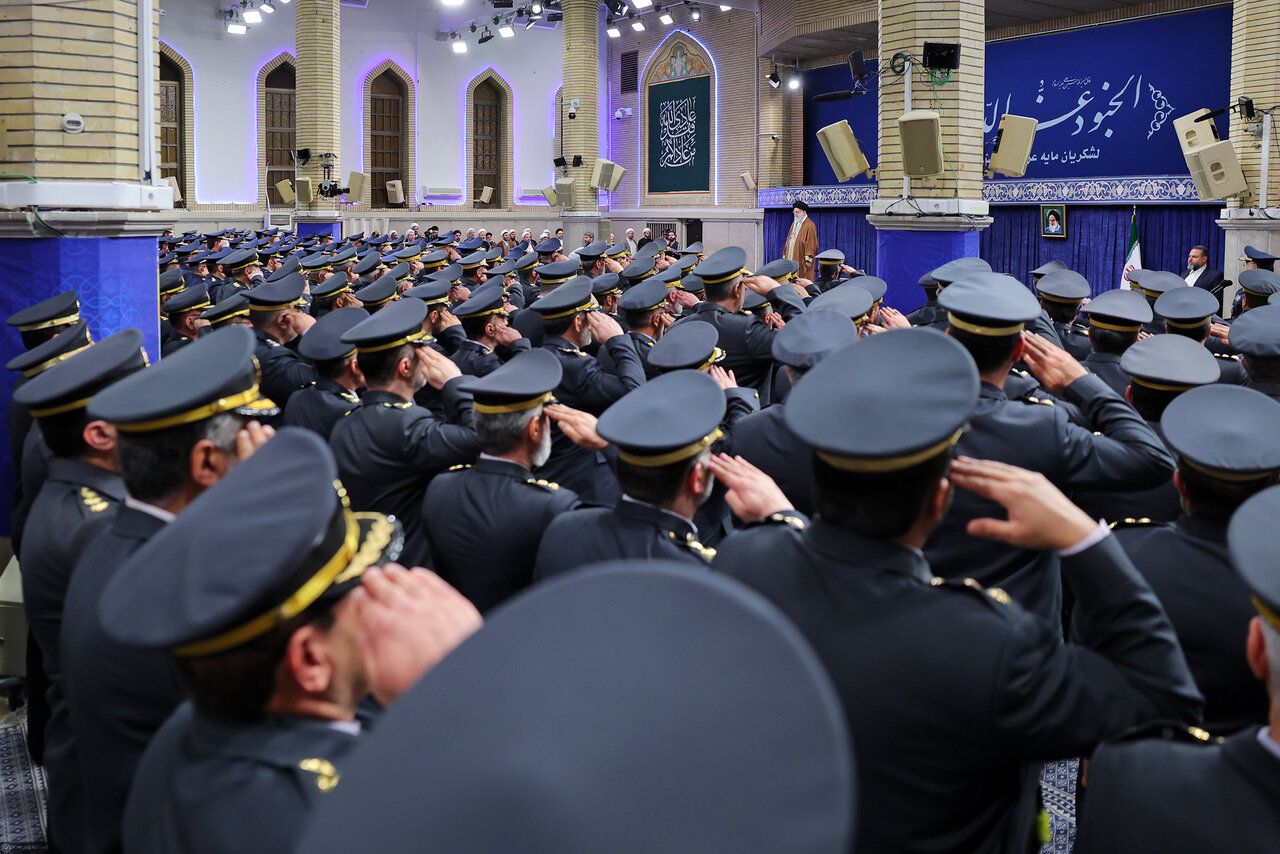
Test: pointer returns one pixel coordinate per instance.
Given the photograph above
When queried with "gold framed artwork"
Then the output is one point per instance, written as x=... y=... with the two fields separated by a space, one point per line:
x=1053 y=220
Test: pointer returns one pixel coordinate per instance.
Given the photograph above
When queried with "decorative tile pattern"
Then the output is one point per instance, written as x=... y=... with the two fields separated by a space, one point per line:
x=678 y=65
x=22 y=784
x=1080 y=191
x=1058 y=791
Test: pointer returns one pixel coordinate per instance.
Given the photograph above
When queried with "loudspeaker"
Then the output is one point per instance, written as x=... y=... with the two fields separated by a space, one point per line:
x=303 y=189
x=941 y=55
x=1193 y=134
x=355 y=186
x=395 y=192
x=841 y=148
x=748 y=181
x=564 y=190
x=606 y=175
x=285 y=189
x=1216 y=172
x=1013 y=146
x=173 y=185
x=486 y=195
x=921 y=135
x=549 y=193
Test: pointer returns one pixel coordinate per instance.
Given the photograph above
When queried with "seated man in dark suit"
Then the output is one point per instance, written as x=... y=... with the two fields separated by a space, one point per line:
x=1199 y=273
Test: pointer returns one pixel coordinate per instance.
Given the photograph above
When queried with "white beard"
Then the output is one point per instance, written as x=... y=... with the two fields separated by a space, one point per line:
x=543 y=453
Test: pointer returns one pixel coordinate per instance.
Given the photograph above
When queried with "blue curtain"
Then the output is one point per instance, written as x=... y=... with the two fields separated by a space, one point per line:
x=1097 y=236
x=845 y=229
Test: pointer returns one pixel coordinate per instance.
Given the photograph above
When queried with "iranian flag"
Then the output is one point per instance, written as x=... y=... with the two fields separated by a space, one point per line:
x=1133 y=257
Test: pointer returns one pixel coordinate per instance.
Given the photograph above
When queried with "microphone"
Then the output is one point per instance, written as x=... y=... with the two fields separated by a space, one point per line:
x=1209 y=115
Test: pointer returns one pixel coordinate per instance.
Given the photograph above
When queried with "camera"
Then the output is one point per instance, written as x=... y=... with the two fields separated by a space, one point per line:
x=573 y=107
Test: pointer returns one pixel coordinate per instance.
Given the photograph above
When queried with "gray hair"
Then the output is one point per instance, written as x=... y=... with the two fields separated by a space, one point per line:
x=502 y=433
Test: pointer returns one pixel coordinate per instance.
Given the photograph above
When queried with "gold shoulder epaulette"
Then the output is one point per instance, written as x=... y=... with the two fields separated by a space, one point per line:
x=326 y=775
x=1227 y=356
x=786 y=519
x=693 y=545
x=389 y=405
x=996 y=594
x=548 y=485
x=460 y=467
x=1030 y=399
x=1130 y=523
x=92 y=500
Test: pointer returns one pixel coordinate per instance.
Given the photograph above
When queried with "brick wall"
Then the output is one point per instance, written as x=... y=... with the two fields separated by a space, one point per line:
x=71 y=58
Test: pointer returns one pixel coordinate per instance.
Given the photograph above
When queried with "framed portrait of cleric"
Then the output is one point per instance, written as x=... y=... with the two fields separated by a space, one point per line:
x=678 y=119
x=1053 y=220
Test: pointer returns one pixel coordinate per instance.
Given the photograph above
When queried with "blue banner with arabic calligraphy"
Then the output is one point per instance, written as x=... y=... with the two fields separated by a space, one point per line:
x=1105 y=97
x=679 y=119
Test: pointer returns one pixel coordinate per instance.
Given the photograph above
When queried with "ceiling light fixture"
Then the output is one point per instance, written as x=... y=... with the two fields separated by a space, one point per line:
x=642 y=4
x=235 y=27
x=265 y=6
x=793 y=83
x=695 y=14
x=613 y=32
x=486 y=36
x=637 y=25
x=726 y=8
x=774 y=80
x=252 y=16
x=665 y=17
x=507 y=31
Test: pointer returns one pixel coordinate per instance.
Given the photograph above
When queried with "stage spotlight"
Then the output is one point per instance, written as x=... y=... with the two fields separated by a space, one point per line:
x=793 y=83
x=665 y=17
x=637 y=25
x=507 y=31
x=774 y=80
x=613 y=32
x=695 y=14
x=252 y=16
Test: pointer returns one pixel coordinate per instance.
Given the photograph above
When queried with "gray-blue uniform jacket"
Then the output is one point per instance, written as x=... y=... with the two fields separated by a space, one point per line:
x=320 y=407
x=209 y=787
x=629 y=529
x=477 y=360
x=587 y=386
x=954 y=694
x=1106 y=366
x=484 y=523
x=1128 y=455
x=117 y=695
x=283 y=371
x=389 y=449
x=745 y=339
x=1154 y=797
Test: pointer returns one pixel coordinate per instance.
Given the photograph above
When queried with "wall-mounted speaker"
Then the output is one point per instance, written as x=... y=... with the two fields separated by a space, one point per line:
x=303 y=189
x=486 y=195
x=173 y=185
x=921 y=134
x=549 y=193
x=395 y=192
x=285 y=189
x=841 y=148
x=606 y=175
x=748 y=181
x=1216 y=171
x=355 y=186
x=1013 y=146
x=564 y=190
x=1193 y=134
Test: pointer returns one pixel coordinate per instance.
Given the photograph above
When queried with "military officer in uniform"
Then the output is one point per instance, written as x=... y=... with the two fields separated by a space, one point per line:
x=829 y=265
x=232 y=311
x=1189 y=312
x=278 y=314
x=1115 y=319
x=571 y=319
x=83 y=482
x=950 y=690
x=388 y=449
x=1256 y=287
x=1256 y=334
x=332 y=294
x=988 y=313
x=645 y=309
x=692 y=347
x=932 y=314
x=384 y=290
x=607 y=289
x=335 y=393
x=763 y=438
x=929 y=314
x=182 y=425
x=264 y=621
x=550 y=276
x=1204 y=795
x=745 y=339
x=1061 y=292
x=663 y=432
x=756 y=765
x=1151 y=284
x=1161 y=368
x=484 y=320
x=186 y=318
x=484 y=522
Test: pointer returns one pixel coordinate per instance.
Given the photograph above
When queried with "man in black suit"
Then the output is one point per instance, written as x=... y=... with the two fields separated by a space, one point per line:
x=1198 y=271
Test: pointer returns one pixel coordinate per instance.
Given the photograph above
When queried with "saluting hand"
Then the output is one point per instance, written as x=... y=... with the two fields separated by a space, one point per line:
x=725 y=379
x=410 y=620
x=752 y=494
x=437 y=367
x=251 y=437
x=579 y=426
x=891 y=318
x=602 y=326
x=1054 y=367
x=1040 y=516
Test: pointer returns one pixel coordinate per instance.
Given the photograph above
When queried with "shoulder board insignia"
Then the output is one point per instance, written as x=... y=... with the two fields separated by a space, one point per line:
x=92 y=500
x=396 y=405
x=1170 y=731
x=271 y=342
x=693 y=545
x=545 y=484
x=994 y=594
x=326 y=775
x=1130 y=523
x=999 y=595
x=460 y=467
x=649 y=344
x=350 y=397
x=571 y=350
x=1030 y=399
x=1022 y=373
x=1234 y=358
x=787 y=519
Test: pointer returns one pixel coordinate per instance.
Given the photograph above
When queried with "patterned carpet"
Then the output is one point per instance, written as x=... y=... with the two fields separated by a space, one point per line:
x=22 y=806
x=22 y=803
